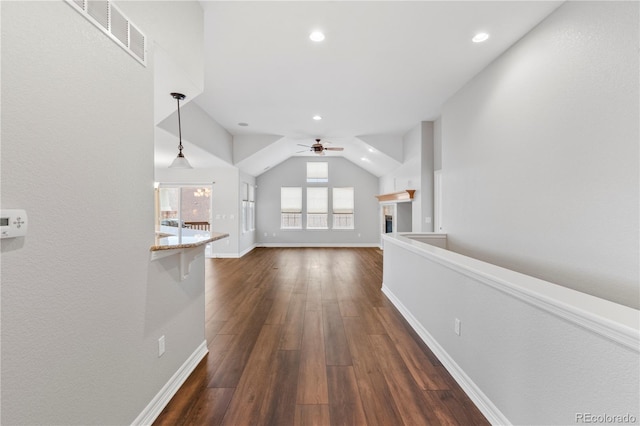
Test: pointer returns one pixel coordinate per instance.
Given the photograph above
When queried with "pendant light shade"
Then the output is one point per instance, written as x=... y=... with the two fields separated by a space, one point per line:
x=180 y=161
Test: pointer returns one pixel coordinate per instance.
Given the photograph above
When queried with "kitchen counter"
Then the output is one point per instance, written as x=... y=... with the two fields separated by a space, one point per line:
x=172 y=242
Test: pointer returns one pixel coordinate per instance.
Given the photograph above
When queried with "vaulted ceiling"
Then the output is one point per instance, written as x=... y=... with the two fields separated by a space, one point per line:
x=383 y=67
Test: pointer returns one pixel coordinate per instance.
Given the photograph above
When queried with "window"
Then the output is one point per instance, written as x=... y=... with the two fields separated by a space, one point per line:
x=343 y=208
x=317 y=208
x=248 y=207
x=291 y=207
x=252 y=208
x=183 y=211
x=317 y=171
x=245 y=207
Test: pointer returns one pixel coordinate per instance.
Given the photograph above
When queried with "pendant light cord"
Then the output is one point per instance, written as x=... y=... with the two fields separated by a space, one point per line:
x=179 y=127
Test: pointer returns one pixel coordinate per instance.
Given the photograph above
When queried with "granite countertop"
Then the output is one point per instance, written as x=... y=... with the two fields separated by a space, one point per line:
x=171 y=242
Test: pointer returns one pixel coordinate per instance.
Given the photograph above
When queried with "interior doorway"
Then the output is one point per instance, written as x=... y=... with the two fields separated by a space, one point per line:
x=184 y=211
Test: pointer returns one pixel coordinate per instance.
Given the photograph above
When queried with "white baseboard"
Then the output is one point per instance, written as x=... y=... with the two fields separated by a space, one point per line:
x=157 y=404
x=247 y=250
x=484 y=404
x=329 y=245
x=232 y=255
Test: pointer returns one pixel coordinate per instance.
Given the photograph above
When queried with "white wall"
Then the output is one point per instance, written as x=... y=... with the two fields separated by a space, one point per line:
x=201 y=130
x=342 y=173
x=540 y=154
x=416 y=173
x=178 y=50
x=82 y=309
x=528 y=352
x=424 y=222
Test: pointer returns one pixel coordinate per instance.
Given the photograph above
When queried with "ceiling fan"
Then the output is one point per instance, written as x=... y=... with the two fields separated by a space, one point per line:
x=319 y=148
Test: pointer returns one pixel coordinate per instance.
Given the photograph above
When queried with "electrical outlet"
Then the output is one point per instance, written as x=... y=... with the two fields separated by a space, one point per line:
x=160 y=346
x=456 y=326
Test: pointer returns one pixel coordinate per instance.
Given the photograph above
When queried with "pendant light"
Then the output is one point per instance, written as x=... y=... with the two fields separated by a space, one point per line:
x=180 y=161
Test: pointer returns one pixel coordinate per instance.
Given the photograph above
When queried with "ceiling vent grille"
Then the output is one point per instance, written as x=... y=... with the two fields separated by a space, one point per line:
x=106 y=16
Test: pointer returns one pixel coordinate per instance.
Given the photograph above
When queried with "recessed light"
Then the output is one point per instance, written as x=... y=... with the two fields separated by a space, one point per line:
x=317 y=117
x=316 y=36
x=480 y=37
x=243 y=124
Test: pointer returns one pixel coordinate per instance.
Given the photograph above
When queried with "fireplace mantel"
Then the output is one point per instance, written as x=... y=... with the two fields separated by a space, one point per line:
x=400 y=196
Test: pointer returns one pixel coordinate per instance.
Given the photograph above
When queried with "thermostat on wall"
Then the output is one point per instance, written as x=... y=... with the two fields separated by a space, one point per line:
x=13 y=223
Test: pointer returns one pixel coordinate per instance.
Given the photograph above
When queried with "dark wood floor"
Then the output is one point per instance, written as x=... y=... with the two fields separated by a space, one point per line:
x=306 y=337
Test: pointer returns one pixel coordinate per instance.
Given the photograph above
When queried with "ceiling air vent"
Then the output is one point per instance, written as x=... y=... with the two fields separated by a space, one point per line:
x=106 y=16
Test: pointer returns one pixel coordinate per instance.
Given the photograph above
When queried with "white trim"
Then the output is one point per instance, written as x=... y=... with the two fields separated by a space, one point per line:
x=157 y=404
x=224 y=256
x=247 y=251
x=484 y=404
x=233 y=255
x=377 y=245
x=608 y=319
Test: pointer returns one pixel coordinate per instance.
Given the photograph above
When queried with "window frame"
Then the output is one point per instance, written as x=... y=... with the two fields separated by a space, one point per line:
x=291 y=212
x=316 y=213
x=343 y=211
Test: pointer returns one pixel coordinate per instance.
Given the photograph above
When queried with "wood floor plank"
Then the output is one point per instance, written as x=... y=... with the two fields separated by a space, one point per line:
x=280 y=306
x=377 y=401
x=335 y=341
x=218 y=350
x=408 y=397
x=280 y=399
x=328 y=290
x=281 y=322
x=176 y=411
x=345 y=405
x=229 y=373
x=426 y=375
x=314 y=295
x=463 y=408
x=245 y=406
x=312 y=415
x=210 y=407
x=293 y=324
x=312 y=377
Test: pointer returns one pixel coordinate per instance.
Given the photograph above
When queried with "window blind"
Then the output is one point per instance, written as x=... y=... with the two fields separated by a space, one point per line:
x=317 y=200
x=291 y=199
x=317 y=171
x=343 y=200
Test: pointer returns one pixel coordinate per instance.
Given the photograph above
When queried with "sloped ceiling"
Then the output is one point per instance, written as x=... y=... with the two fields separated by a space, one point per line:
x=384 y=67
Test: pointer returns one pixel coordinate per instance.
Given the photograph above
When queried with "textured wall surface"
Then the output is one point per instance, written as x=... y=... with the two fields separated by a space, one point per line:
x=531 y=362
x=82 y=305
x=540 y=154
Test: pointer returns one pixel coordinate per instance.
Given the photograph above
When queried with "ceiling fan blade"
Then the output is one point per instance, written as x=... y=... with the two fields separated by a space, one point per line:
x=299 y=152
x=304 y=145
x=333 y=148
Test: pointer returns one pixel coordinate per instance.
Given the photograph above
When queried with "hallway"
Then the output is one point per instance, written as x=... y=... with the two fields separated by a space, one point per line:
x=305 y=336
